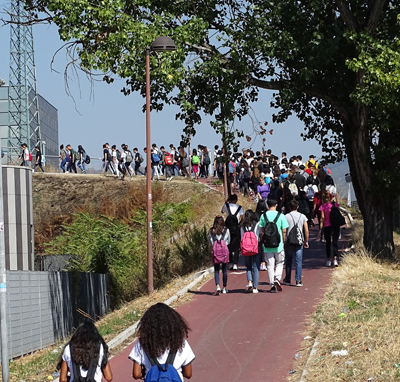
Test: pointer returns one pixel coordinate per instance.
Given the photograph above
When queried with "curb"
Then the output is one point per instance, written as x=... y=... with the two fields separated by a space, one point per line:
x=131 y=330
x=312 y=353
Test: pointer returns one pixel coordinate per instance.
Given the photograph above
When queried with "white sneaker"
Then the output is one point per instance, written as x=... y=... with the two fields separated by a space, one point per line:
x=234 y=267
x=328 y=263
x=249 y=288
x=224 y=291
x=217 y=291
x=335 y=263
x=255 y=290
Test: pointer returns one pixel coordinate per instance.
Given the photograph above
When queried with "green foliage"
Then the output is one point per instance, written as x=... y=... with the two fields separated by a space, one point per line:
x=103 y=245
x=333 y=64
x=195 y=250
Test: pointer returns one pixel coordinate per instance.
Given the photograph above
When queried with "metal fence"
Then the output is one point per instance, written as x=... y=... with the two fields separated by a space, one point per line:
x=43 y=307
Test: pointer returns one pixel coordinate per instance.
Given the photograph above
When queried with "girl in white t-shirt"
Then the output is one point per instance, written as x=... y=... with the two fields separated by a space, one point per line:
x=162 y=330
x=86 y=347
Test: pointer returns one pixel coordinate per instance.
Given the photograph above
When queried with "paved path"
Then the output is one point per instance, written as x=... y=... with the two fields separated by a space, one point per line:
x=248 y=337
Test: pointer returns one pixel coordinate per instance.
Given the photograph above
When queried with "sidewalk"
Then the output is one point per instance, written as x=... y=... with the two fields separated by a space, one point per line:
x=248 y=337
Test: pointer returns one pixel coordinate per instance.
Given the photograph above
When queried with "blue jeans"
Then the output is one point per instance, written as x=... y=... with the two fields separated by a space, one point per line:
x=224 y=274
x=62 y=165
x=81 y=165
x=297 y=251
x=253 y=268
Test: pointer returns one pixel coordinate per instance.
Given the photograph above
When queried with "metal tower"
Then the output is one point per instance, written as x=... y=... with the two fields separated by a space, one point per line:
x=23 y=102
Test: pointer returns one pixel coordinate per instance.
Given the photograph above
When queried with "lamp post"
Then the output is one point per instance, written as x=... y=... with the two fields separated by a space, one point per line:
x=160 y=44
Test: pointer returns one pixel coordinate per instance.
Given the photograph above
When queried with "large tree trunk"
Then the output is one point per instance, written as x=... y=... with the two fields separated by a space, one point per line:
x=375 y=208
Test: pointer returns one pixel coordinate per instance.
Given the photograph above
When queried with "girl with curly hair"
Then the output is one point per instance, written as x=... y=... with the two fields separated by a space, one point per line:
x=162 y=331
x=87 y=354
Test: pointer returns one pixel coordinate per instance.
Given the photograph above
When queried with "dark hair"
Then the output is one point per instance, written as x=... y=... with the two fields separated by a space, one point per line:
x=249 y=218
x=275 y=183
x=218 y=226
x=269 y=151
x=162 y=148
x=271 y=202
x=293 y=204
x=61 y=147
x=161 y=328
x=216 y=147
x=194 y=152
x=261 y=207
x=135 y=149
x=284 y=154
x=85 y=345
x=232 y=198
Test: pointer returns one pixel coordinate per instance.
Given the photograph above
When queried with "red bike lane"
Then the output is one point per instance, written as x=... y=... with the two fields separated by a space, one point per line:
x=248 y=337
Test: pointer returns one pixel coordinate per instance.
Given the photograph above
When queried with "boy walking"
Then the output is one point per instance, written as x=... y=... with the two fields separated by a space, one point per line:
x=274 y=256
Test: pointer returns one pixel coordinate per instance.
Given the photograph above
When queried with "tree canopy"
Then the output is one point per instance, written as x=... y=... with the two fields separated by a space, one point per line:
x=334 y=64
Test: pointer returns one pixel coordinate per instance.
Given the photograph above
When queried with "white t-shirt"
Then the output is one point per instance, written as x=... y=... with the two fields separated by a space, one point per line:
x=123 y=156
x=331 y=189
x=233 y=208
x=67 y=358
x=183 y=357
x=26 y=154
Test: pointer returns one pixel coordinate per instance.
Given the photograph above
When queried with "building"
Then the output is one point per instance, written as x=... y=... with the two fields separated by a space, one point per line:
x=48 y=115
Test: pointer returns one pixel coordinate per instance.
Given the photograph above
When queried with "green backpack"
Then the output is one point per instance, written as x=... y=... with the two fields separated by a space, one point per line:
x=195 y=159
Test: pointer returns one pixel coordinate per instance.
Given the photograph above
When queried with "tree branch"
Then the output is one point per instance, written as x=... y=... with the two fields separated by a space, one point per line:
x=346 y=15
x=375 y=11
x=311 y=91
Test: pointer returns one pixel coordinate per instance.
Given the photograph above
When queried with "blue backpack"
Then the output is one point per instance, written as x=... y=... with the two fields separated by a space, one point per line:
x=156 y=158
x=163 y=373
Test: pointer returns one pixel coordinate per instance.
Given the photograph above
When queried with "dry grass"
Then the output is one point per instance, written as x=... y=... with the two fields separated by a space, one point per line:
x=360 y=314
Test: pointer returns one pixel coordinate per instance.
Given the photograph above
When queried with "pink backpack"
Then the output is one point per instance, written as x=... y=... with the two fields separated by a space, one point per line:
x=249 y=243
x=220 y=252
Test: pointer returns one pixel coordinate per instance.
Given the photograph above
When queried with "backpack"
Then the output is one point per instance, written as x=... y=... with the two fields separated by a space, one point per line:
x=249 y=243
x=220 y=251
x=336 y=217
x=168 y=160
x=295 y=235
x=163 y=373
x=271 y=238
x=231 y=221
x=220 y=167
x=30 y=157
x=155 y=157
x=129 y=156
x=140 y=157
x=119 y=159
x=207 y=160
x=246 y=175
x=195 y=159
x=293 y=188
x=90 y=373
x=87 y=160
x=310 y=192
x=231 y=168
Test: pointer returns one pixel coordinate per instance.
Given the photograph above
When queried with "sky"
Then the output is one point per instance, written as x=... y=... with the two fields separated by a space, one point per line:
x=106 y=115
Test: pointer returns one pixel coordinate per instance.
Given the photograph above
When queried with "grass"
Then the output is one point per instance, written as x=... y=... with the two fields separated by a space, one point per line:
x=360 y=314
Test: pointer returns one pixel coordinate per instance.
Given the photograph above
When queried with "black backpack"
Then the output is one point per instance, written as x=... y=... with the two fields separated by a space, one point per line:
x=231 y=221
x=336 y=217
x=90 y=374
x=207 y=160
x=271 y=238
x=140 y=157
x=87 y=161
x=295 y=236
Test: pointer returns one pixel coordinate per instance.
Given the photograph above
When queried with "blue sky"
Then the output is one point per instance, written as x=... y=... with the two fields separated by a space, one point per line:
x=106 y=115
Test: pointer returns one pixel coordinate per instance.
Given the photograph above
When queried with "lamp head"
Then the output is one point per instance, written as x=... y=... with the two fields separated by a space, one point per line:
x=163 y=44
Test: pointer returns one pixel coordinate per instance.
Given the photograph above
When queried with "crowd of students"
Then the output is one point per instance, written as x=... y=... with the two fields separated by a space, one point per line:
x=290 y=196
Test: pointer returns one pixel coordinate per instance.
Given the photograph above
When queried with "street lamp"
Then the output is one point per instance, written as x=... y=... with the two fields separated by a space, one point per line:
x=160 y=44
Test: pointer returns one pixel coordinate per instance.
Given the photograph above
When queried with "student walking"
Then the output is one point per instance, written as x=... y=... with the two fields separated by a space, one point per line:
x=162 y=334
x=273 y=225
x=220 y=239
x=249 y=248
x=297 y=240
x=330 y=231
x=85 y=354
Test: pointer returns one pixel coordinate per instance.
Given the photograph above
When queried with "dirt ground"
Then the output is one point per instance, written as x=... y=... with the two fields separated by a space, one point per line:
x=57 y=196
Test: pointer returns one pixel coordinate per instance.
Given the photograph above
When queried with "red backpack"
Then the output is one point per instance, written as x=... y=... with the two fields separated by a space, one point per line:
x=249 y=243
x=30 y=157
x=168 y=160
x=220 y=251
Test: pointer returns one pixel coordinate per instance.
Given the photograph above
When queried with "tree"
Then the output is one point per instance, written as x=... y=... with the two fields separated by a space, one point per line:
x=328 y=62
